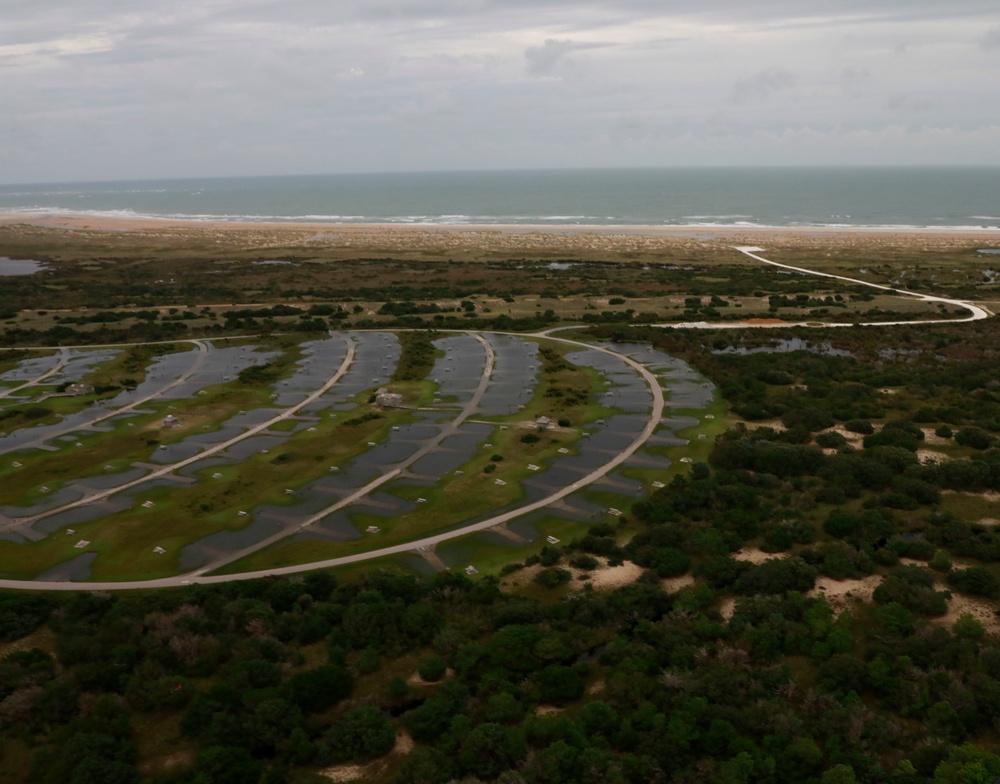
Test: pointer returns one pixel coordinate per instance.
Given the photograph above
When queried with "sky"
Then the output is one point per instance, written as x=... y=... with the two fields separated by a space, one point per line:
x=119 y=89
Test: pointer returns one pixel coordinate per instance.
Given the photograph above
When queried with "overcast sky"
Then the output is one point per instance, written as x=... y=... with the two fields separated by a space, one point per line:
x=128 y=89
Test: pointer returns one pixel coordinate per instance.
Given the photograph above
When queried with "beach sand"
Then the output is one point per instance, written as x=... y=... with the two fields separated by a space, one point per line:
x=631 y=241
x=111 y=223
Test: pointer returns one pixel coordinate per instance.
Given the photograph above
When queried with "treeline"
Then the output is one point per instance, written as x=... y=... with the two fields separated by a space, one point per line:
x=638 y=685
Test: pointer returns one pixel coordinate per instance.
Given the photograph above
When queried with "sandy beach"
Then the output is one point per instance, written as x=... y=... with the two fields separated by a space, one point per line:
x=637 y=244
x=109 y=223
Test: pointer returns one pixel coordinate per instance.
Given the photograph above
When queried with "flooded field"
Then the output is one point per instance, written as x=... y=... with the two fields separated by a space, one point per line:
x=399 y=477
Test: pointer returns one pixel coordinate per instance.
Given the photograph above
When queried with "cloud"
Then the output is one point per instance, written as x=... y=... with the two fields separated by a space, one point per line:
x=543 y=59
x=907 y=103
x=852 y=75
x=991 y=40
x=762 y=84
x=178 y=87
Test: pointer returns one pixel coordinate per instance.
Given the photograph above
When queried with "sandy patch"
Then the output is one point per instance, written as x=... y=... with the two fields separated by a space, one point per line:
x=988 y=496
x=416 y=680
x=353 y=772
x=404 y=743
x=602 y=578
x=522 y=576
x=614 y=576
x=840 y=594
x=933 y=439
x=178 y=759
x=42 y=638
x=548 y=710
x=979 y=609
x=755 y=556
x=344 y=773
x=675 y=584
x=596 y=688
x=728 y=607
x=928 y=456
x=988 y=521
x=847 y=434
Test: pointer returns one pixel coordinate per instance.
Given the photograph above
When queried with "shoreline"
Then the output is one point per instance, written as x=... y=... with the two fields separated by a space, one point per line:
x=696 y=231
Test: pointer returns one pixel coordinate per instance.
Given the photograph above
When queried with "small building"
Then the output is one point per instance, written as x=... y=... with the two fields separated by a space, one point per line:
x=170 y=421
x=387 y=399
x=543 y=423
x=80 y=389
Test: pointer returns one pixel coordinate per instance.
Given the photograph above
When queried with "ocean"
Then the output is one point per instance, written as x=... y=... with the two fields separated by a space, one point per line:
x=791 y=197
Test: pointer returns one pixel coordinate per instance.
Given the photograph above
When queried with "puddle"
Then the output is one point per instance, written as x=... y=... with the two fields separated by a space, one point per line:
x=74 y=570
x=80 y=515
x=201 y=552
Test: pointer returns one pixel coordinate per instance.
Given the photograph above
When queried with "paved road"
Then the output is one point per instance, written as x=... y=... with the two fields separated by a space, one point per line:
x=977 y=313
x=98 y=495
x=199 y=577
x=450 y=429
x=200 y=358
x=60 y=364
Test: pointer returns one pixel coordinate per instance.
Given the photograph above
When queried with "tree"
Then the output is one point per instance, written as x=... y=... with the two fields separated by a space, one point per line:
x=432 y=669
x=974 y=437
x=968 y=764
x=361 y=734
x=777 y=575
x=559 y=684
x=490 y=749
x=838 y=774
x=976 y=581
x=225 y=765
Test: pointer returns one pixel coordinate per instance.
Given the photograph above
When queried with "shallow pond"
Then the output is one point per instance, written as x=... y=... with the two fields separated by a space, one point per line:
x=10 y=266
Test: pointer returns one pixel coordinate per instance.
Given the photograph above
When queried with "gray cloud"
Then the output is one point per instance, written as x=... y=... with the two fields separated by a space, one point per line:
x=104 y=89
x=762 y=84
x=543 y=59
x=908 y=103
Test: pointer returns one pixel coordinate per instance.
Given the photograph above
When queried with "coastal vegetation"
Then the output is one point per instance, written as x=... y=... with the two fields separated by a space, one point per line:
x=811 y=596
x=156 y=285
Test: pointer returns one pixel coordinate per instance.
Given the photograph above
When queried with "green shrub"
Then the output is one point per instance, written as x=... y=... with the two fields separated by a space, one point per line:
x=862 y=426
x=553 y=576
x=432 y=669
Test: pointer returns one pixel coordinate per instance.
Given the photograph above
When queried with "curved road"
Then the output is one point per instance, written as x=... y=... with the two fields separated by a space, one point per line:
x=199 y=360
x=60 y=364
x=977 y=313
x=168 y=469
x=198 y=576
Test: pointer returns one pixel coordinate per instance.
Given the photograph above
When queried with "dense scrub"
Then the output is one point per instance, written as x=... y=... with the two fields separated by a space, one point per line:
x=267 y=680
x=746 y=674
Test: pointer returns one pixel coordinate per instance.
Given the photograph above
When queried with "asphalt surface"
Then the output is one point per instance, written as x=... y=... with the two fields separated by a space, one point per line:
x=199 y=576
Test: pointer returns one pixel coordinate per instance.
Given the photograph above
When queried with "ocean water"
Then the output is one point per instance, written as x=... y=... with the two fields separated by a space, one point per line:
x=793 y=197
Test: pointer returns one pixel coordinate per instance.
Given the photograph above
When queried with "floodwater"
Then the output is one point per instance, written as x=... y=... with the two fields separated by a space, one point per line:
x=458 y=373
x=223 y=542
x=78 y=516
x=514 y=378
x=73 y=570
x=9 y=267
